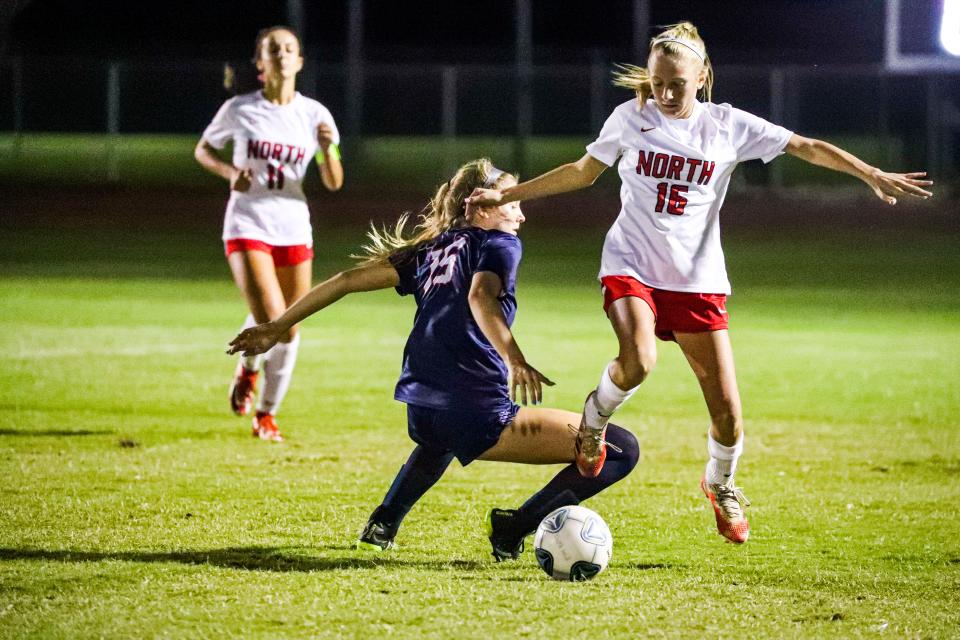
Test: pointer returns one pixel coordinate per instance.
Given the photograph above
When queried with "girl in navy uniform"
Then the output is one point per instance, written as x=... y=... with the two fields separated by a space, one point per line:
x=462 y=367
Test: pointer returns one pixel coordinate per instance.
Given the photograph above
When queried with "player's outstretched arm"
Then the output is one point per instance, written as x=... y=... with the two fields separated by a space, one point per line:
x=887 y=186
x=260 y=338
x=568 y=177
x=486 y=310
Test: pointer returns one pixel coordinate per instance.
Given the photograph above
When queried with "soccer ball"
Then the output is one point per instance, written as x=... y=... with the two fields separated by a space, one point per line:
x=573 y=543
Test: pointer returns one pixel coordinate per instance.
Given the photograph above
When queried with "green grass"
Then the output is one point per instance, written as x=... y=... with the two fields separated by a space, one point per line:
x=848 y=354
x=415 y=162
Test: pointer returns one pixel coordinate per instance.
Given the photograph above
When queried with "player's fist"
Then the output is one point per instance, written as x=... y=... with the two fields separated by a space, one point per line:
x=324 y=135
x=241 y=179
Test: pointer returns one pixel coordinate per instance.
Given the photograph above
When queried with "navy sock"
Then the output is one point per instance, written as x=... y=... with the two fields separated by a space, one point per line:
x=421 y=471
x=569 y=487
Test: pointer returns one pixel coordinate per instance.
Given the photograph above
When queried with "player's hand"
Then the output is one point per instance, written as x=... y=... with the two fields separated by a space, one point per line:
x=484 y=197
x=324 y=135
x=530 y=382
x=241 y=180
x=890 y=186
x=255 y=340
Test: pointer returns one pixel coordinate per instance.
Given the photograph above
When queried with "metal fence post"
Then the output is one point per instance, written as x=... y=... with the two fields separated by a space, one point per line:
x=598 y=93
x=113 y=120
x=524 y=71
x=641 y=26
x=448 y=126
x=355 y=70
x=933 y=126
x=777 y=109
x=16 y=71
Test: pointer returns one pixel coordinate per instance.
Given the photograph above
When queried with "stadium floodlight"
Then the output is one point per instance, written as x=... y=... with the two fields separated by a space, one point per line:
x=950 y=27
x=922 y=36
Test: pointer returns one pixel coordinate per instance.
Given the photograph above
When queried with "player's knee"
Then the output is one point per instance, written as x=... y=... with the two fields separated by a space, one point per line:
x=637 y=365
x=629 y=454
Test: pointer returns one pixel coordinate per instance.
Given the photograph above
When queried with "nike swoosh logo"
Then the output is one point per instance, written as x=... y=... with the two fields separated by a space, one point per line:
x=644 y=130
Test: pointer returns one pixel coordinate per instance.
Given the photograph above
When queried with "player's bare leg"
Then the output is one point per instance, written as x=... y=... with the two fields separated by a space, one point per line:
x=536 y=436
x=279 y=362
x=545 y=436
x=633 y=323
x=256 y=277
x=710 y=355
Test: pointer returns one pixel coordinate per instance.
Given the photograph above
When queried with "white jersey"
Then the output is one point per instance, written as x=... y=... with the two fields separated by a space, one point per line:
x=276 y=142
x=675 y=174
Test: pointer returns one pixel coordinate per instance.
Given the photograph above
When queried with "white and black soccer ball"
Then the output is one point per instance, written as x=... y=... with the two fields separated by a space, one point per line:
x=573 y=543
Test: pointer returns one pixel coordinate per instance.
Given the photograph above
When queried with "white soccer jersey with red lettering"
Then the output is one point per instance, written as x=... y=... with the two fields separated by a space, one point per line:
x=675 y=175
x=277 y=143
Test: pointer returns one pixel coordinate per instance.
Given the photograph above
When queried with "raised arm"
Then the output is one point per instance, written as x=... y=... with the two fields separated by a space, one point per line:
x=887 y=186
x=260 y=338
x=210 y=160
x=568 y=177
x=484 y=290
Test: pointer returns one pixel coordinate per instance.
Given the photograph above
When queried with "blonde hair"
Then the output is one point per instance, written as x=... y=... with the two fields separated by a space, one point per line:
x=445 y=211
x=638 y=78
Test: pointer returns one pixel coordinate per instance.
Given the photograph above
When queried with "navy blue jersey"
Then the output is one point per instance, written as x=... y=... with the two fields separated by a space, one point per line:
x=448 y=363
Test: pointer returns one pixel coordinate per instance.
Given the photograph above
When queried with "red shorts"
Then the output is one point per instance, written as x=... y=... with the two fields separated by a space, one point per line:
x=674 y=310
x=286 y=256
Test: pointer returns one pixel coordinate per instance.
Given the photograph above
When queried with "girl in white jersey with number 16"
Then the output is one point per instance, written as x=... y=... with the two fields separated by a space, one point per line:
x=662 y=269
x=269 y=241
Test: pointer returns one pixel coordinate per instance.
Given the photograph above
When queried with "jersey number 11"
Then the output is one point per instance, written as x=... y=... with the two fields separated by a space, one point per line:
x=274 y=176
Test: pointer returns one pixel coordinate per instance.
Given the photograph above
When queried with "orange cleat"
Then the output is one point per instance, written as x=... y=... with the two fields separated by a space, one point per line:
x=242 y=390
x=265 y=427
x=591 y=451
x=591 y=448
x=728 y=502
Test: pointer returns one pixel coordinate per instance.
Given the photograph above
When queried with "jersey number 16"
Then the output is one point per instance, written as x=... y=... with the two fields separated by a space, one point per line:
x=675 y=201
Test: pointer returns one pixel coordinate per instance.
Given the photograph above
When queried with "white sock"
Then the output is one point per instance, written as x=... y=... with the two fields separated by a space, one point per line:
x=251 y=363
x=278 y=365
x=607 y=398
x=723 y=460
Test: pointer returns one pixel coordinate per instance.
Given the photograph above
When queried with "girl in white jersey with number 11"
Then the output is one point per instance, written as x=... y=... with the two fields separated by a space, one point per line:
x=266 y=231
x=662 y=269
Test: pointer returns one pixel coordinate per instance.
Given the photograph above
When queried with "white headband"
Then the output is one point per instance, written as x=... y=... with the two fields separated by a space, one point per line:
x=689 y=44
x=492 y=177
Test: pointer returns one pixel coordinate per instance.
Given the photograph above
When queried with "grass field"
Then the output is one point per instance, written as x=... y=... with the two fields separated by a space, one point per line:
x=848 y=351
x=164 y=159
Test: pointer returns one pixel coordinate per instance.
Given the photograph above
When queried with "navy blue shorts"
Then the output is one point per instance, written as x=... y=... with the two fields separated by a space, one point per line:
x=465 y=433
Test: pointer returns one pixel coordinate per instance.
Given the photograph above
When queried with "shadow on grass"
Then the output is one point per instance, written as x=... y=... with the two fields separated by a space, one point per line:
x=53 y=432
x=247 y=558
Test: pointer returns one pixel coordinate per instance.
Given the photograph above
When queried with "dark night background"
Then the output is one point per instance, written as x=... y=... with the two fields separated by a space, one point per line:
x=736 y=31
x=172 y=53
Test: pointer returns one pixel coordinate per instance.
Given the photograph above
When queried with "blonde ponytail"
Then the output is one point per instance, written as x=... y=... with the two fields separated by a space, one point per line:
x=630 y=76
x=445 y=211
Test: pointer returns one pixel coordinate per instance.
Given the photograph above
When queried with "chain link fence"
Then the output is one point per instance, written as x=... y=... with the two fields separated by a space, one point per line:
x=901 y=121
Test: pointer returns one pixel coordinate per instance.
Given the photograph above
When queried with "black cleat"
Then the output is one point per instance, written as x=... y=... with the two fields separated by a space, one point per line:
x=376 y=536
x=506 y=543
